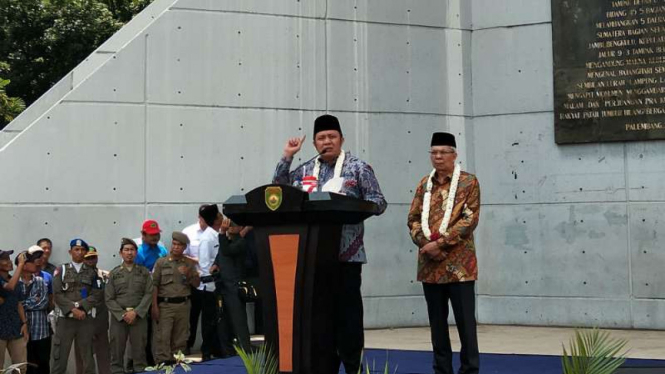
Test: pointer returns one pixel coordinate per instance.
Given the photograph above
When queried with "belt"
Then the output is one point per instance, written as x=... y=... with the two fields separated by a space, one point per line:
x=173 y=300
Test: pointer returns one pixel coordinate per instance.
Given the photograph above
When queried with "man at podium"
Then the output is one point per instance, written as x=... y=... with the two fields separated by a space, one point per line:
x=335 y=170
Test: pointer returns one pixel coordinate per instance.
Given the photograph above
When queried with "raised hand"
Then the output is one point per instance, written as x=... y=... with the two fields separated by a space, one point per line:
x=226 y=223
x=293 y=146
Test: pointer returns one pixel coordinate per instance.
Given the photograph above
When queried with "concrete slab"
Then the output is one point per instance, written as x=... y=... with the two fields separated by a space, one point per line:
x=77 y=153
x=388 y=68
x=120 y=79
x=506 y=13
x=554 y=250
x=516 y=82
x=311 y=9
x=433 y=13
x=251 y=60
x=517 y=162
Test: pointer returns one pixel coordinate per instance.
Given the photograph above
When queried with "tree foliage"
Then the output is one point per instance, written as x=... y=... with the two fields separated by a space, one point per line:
x=10 y=107
x=42 y=40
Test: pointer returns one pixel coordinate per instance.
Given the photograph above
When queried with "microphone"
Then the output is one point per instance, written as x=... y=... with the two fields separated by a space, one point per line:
x=323 y=151
x=318 y=155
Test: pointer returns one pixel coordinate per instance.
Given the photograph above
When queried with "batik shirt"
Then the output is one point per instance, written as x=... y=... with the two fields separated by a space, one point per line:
x=457 y=261
x=359 y=182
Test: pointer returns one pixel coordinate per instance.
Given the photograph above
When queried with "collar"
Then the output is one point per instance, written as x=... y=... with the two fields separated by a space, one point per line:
x=151 y=247
x=32 y=278
x=447 y=178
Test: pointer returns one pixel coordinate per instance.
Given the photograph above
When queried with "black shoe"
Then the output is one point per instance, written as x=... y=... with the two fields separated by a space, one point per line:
x=206 y=357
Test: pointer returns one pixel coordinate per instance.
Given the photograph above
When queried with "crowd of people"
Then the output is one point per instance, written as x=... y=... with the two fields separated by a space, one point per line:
x=135 y=315
x=155 y=297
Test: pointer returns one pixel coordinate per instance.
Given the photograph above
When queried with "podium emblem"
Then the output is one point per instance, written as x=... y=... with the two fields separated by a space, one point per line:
x=273 y=198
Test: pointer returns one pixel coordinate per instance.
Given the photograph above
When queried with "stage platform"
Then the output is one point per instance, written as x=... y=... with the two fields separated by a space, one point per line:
x=420 y=362
x=505 y=350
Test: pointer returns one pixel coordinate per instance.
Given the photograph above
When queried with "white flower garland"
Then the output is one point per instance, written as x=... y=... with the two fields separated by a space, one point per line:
x=424 y=216
x=338 y=166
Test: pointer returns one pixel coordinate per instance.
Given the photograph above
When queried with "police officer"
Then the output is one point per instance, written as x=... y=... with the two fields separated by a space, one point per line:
x=77 y=292
x=128 y=295
x=172 y=277
x=100 y=321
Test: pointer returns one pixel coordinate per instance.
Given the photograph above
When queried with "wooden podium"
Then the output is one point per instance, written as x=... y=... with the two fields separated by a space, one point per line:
x=298 y=238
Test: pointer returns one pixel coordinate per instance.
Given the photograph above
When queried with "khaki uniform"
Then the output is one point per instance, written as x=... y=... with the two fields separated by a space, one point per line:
x=72 y=288
x=100 y=333
x=171 y=331
x=129 y=290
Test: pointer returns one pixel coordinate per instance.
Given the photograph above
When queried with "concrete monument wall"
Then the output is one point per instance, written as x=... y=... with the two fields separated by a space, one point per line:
x=193 y=101
x=569 y=235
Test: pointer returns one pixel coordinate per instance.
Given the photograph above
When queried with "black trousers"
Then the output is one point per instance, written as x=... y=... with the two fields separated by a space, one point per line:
x=210 y=340
x=194 y=314
x=149 y=359
x=463 y=299
x=232 y=323
x=39 y=354
x=349 y=328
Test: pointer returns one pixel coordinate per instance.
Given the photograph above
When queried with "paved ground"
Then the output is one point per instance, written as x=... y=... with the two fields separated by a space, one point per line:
x=516 y=339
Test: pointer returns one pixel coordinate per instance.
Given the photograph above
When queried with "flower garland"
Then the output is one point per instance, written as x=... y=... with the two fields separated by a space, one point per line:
x=338 y=166
x=424 y=216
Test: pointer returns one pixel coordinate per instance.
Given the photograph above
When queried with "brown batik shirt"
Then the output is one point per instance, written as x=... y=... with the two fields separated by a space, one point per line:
x=457 y=261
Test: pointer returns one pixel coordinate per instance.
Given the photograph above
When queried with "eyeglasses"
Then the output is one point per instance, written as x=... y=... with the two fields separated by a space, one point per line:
x=440 y=153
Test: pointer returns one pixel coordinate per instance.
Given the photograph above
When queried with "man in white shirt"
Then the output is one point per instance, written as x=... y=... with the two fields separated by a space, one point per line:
x=207 y=251
x=194 y=232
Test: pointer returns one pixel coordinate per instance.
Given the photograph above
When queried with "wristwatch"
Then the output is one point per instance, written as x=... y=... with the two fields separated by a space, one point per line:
x=77 y=305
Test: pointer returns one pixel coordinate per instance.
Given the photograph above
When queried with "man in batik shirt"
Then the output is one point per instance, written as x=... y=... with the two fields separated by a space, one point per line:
x=337 y=171
x=443 y=215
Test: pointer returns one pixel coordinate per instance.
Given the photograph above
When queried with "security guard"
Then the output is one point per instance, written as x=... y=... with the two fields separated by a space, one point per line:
x=172 y=277
x=77 y=293
x=100 y=321
x=128 y=295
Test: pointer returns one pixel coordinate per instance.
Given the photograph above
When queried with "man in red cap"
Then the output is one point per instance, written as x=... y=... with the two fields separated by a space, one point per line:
x=150 y=248
x=149 y=251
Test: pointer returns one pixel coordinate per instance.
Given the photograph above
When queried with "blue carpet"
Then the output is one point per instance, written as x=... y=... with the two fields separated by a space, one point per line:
x=419 y=362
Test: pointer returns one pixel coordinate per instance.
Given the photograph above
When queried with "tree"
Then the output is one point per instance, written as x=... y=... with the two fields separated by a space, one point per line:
x=124 y=10
x=10 y=107
x=43 y=40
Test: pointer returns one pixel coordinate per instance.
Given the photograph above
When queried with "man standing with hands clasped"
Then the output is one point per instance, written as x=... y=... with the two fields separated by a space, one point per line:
x=77 y=293
x=128 y=296
x=172 y=278
x=335 y=170
x=443 y=215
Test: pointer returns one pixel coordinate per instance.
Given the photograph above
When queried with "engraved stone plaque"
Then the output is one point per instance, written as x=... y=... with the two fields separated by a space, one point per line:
x=609 y=70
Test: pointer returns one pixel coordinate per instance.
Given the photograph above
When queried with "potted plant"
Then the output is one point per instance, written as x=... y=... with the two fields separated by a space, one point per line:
x=593 y=352
x=180 y=360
